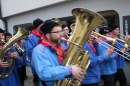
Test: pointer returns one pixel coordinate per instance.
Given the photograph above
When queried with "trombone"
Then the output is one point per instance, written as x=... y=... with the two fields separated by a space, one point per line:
x=112 y=40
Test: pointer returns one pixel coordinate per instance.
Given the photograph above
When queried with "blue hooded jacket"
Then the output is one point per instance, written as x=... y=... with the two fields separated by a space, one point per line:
x=47 y=65
x=93 y=71
x=120 y=60
x=12 y=79
x=32 y=42
x=108 y=66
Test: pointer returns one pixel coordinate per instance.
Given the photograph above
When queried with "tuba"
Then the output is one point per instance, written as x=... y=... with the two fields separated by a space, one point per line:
x=86 y=21
x=21 y=34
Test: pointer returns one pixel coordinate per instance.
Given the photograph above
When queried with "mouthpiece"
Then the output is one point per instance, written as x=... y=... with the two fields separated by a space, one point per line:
x=62 y=38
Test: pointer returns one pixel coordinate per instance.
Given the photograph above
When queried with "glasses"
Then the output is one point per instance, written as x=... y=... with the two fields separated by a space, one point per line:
x=57 y=31
x=66 y=29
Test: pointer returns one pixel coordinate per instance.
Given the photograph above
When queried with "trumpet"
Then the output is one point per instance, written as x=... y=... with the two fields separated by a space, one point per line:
x=20 y=49
x=113 y=42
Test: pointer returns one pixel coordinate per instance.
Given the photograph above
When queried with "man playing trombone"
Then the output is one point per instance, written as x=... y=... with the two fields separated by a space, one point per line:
x=92 y=76
x=108 y=67
x=119 y=75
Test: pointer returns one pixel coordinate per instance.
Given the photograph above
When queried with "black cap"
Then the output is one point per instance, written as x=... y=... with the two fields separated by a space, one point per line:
x=37 y=22
x=104 y=30
x=1 y=30
x=113 y=26
x=48 y=26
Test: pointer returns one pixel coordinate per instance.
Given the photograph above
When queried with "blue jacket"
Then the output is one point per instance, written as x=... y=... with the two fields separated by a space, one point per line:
x=47 y=66
x=120 y=60
x=12 y=79
x=108 y=66
x=24 y=46
x=32 y=42
x=93 y=71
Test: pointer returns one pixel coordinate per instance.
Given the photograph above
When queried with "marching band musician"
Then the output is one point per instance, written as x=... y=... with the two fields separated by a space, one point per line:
x=12 y=79
x=32 y=43
x=47 y=57
x=65 y=33
x=92 y=76
x=119 y=75
x=21 y=69
x=108 y=67
x=8 y=36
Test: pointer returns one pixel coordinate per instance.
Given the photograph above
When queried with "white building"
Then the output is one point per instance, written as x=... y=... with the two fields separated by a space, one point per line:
x=23 y=12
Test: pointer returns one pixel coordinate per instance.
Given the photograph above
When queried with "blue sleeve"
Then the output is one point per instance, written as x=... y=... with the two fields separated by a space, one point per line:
x=46 y=70
x=31 y=44
x=102 y=51
x=94 y=58
x=112 y=57
x=19 y=61
x=94 y=61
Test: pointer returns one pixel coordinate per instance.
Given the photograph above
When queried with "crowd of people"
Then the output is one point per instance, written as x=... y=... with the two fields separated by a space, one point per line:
x=45 y=51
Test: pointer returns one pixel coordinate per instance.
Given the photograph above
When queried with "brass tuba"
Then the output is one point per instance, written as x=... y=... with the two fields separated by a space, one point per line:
x=21 y=34
x=86 y=21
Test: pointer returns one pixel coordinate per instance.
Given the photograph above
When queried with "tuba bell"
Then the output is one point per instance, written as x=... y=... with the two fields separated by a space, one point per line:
x=86 y=21
x=21 y=34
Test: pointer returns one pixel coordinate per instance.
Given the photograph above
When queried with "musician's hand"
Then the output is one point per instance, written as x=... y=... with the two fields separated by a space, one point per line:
x=15 y=45
x=14 y=55
x=123 y=50
x=3 y=64
x=77 y=72
x=95 y=40
x=109 y=51
x=127 y=37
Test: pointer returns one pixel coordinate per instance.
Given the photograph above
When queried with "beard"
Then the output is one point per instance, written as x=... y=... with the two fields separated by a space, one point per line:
x=56 y=41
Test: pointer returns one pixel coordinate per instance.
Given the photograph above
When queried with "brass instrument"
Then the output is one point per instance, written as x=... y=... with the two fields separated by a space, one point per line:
x=21 y=34
x=112 y=40
x=121 y=35
x=20 y=50
x=126 y=43
x=72 y=26
x=86 y=21
x=57 y=20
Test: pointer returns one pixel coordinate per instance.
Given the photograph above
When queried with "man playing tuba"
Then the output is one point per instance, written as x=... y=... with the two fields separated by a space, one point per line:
x=47 y=57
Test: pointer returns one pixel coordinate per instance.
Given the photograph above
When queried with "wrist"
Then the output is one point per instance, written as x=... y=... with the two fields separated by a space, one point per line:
x=69 y=69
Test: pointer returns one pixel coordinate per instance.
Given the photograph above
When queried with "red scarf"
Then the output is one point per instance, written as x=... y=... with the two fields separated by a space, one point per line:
x=34 y=32
x=59 y=51
x=102 y=39
x=92 y=47
x=114 y=36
